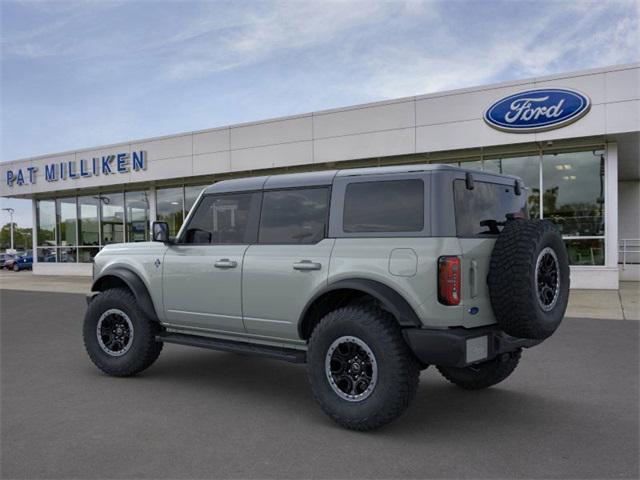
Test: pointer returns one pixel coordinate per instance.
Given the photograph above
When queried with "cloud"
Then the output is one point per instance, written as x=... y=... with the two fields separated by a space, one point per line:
x=286 y=26
x=526 y=47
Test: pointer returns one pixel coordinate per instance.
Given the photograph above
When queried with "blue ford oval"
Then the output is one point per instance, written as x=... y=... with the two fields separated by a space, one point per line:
x=537 y=110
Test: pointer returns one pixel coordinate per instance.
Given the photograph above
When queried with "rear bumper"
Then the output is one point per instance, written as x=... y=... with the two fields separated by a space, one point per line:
x=460 y=347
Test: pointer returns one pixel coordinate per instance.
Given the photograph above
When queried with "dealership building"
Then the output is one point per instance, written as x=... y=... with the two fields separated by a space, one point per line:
x=573 y=138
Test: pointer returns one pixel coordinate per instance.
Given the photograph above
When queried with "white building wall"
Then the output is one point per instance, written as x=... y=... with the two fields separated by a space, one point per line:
x=428 y=123
x=444 y=121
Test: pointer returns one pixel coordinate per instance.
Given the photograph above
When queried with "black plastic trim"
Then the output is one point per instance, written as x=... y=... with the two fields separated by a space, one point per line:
x=391 y=300
x=447 y=347
x=278 y=353
x=135 y=284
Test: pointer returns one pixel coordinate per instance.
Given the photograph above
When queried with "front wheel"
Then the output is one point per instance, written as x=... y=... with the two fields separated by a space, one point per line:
x=119 y=338
x=361 y=371
x=485 y=374
x=16 y=268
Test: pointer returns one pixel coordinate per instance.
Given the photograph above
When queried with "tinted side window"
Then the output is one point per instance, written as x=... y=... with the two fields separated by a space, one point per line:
x=222 y=219
x=294 y=216
x=481 y=211
x=387 y=206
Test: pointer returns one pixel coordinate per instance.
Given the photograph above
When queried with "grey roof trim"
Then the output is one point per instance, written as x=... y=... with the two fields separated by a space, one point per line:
x=307 y=179
x=326 y=177
x=237 y=185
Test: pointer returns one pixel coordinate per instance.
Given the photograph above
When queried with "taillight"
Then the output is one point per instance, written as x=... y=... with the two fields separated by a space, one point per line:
x=449 y=280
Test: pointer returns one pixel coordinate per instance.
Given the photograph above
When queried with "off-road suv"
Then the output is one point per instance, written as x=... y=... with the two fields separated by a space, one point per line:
x=367 y=275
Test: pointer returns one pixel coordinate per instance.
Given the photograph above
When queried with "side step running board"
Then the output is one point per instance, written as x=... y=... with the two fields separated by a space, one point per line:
x=278 y=353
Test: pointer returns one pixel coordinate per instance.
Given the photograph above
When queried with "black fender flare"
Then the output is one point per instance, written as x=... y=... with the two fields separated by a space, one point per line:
x=391 y=300
x=135 y=284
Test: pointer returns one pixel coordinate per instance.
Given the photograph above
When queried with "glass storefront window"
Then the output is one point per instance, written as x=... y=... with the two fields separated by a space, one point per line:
x=67 y=213
x=527 y=168
x=137 y=216
x=574 y=192
x=74 y=230
x=67 y=255
x=88 y=220
x=112 y=218
x=190 y=196
x=46 y=218
x=169 y=208
x=46 y=255
x=86 y=254
x=585 y=252
x=472 y=165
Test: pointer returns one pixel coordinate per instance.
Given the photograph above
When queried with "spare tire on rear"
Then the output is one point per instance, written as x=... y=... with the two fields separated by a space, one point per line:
x=529 y=278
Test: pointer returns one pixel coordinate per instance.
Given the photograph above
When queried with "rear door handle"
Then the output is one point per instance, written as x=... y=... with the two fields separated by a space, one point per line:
x=225 y=263
x=307 y=265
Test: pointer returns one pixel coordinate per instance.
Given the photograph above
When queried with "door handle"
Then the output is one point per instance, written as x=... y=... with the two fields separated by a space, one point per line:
x=307 y=265
x=225 y=263
x=474 y=278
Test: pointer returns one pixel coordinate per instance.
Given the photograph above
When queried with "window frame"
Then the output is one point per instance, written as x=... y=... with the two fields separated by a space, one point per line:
x=325 y=232
x=253 y=221
x=336 y=220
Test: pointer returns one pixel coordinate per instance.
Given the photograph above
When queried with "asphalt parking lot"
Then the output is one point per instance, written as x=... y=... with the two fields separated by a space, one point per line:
x=569 y=411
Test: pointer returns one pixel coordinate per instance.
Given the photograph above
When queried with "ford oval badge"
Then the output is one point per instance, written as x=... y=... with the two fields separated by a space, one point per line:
x=537 y=110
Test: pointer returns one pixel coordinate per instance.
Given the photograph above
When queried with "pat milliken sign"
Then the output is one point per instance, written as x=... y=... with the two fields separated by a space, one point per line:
x=117 y=163
x=537 y=110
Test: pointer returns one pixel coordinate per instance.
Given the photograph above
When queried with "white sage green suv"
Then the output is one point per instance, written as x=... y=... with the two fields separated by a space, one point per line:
x=367 y=275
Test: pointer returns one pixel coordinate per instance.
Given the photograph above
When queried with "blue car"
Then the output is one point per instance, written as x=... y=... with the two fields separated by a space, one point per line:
x=24 y=262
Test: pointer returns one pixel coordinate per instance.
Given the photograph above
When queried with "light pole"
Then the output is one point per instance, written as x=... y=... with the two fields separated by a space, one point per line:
x=11 y=212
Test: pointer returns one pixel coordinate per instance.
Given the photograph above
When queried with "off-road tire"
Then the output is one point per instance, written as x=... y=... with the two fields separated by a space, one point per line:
x=398 y=369
x=511 y=280
x=144 y=349
x=483 y=375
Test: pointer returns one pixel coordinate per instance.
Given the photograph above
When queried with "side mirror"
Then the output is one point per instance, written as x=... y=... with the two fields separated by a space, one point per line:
x=160 y=232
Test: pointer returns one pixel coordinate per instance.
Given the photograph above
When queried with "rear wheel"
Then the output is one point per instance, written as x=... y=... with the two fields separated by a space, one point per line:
x=119 y=338
x=483 y=375
x=361 y=371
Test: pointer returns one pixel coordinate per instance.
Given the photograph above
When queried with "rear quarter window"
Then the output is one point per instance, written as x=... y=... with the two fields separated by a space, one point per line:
x=483 y=210
x=384 y=206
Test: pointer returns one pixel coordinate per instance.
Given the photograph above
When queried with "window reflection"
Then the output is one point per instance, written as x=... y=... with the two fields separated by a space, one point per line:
x=86 y=254
x=169 y=208
x=191 y=194
x=472 y=165
x=46 y=220
x=67 y=212
x=528 y=169
x=574 y=192
x=112 y=211
x=88 y=220
x=137 y=216
x=586 y=252
x=46 y=254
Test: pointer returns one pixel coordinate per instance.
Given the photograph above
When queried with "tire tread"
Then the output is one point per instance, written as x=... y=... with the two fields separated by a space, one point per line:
x=149 y=349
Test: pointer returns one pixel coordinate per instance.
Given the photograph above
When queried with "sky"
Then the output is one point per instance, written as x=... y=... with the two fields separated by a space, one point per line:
x=86 y=73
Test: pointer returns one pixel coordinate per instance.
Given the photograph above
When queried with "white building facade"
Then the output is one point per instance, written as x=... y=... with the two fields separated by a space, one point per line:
x=581 y=165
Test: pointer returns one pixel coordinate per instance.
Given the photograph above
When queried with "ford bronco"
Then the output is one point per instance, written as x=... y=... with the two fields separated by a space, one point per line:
x=366 y=275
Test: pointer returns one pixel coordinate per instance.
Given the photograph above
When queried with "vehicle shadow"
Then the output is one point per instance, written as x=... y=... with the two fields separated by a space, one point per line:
x=437 y=406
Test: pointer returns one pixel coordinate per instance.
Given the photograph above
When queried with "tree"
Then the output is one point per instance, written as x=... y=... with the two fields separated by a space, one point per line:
x=22 y=237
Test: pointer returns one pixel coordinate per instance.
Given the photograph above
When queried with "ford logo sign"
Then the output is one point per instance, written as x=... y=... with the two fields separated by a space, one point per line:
x=537 y=110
